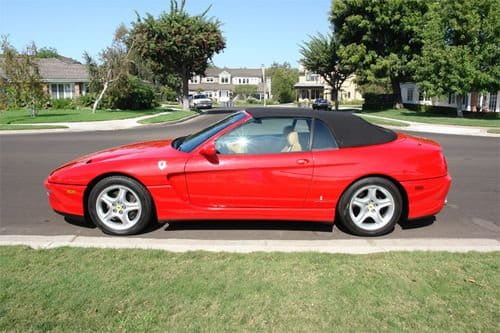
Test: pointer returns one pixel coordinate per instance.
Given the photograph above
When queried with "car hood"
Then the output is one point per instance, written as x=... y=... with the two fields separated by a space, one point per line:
x=198 y=100
x=134 y=159
x=133 y=151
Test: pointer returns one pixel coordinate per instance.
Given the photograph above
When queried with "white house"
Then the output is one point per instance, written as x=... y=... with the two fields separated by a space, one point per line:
x=312 y=86
x=220 y=83
x=411 y=94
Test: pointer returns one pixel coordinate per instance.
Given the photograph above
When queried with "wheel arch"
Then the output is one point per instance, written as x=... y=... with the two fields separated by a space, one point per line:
x=97 y=179
x=402 y=191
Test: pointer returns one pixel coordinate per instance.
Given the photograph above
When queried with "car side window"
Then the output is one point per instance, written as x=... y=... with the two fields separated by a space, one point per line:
x=267 y=136
x=323 y=138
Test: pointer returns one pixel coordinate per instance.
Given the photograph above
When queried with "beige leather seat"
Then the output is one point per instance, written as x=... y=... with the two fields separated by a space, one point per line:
x=293 y=143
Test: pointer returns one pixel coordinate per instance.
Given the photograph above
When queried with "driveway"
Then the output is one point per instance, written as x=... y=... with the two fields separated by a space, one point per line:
x=25 y=160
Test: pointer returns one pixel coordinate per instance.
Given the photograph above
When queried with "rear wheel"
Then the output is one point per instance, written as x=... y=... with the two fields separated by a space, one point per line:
x=120 y=206
x=370 y=207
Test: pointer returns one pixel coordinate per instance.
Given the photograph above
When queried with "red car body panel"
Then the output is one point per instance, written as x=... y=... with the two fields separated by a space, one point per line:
x=292 y=186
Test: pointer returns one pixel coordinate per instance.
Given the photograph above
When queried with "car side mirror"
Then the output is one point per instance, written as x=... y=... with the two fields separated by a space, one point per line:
x=209 y=150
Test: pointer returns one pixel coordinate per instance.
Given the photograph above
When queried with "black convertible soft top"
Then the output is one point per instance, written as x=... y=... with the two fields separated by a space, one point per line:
x=349 y=130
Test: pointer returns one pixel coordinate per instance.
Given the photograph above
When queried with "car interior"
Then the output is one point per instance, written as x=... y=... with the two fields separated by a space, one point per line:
x=291 y=138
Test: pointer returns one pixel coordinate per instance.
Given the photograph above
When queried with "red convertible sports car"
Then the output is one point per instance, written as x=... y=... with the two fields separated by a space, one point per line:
x=262 y=163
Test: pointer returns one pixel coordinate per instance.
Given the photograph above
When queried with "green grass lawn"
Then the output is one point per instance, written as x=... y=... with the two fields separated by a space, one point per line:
x=383 y=122
x=63 y=115
x=75 y=290
x=494 y=130
x=27 y=127
x=433 y=118
x=172 y=116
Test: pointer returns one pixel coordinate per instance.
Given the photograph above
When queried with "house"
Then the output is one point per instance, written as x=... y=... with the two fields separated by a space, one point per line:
x=63 y=77
x=312 y=86
x=220 y=83
x=411 y=94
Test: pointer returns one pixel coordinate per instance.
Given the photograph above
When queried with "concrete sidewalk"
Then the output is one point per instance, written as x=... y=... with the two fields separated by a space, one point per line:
x=88 y=126
x=438 y=128
x=350 y=246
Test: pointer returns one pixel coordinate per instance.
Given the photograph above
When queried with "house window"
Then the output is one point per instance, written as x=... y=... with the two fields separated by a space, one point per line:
x=62 y=90
x=492 y=106
x=451 y=99
x=465 y=100
x=209 y=79
x=312 y=77
x=224 y=79
x=421 y=96
x=409 y=94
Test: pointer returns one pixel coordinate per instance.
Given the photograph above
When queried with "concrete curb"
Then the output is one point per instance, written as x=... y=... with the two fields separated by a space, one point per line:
x=348 y=246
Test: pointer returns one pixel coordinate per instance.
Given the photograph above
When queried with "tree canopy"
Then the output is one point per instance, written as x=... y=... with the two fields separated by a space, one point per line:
x=47 y=52
x=390 y=31
x=461 y=50
x=177 y=42
x=21 y=84
x=324 y=55
x=283 y=78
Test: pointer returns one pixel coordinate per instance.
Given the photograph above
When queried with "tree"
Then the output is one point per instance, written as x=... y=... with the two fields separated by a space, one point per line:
x=323 y=55
x=461 y=49
x=47 y=52
x=390 y=31
x=245 y=90
x=115 y=64
x=176 y=42
x=283 y=78
x=21 y=84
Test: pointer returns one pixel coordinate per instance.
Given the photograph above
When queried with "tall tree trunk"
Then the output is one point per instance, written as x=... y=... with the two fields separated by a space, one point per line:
x=397 y=102
x=336 y=96
x=185 y=92
x=459 y=105
x=99 y=98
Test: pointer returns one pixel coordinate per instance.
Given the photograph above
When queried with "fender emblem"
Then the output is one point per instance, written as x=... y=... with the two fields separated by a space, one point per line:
x=162 y=165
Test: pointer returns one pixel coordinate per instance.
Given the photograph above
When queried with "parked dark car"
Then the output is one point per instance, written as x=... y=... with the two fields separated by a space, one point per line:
x=321 y=104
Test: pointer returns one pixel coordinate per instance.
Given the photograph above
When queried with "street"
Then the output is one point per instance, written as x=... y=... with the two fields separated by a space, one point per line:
x=473 y=208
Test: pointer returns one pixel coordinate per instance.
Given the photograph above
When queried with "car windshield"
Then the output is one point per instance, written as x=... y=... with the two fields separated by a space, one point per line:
x=200 y=96
x=188 y=143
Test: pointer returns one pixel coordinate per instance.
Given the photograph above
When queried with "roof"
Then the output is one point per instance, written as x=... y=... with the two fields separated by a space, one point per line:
x=235 y=72
x=349 y=130
x=61 y=70
x=219 y=86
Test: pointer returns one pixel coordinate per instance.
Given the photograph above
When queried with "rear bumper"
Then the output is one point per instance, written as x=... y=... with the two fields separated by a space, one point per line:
x=426 y=197
x=66 y=199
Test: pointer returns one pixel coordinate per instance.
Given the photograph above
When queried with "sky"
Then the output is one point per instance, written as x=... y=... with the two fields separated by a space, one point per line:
x=257 y=31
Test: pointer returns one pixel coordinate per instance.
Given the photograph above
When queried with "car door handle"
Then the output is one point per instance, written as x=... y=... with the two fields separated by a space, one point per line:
x=302 y=161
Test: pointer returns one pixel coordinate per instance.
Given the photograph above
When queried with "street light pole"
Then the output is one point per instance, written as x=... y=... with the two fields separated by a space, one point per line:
x=265 y=83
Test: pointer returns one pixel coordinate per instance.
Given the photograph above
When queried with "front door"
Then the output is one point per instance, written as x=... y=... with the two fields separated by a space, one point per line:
x=263 y=163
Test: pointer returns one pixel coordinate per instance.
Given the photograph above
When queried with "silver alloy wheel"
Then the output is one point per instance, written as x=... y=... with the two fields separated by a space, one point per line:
x=118 y=207
x=371 y=207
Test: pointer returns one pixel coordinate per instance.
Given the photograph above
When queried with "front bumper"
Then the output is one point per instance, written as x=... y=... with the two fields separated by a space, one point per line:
x=66 y=199
x=203 y=106
x=426 y=197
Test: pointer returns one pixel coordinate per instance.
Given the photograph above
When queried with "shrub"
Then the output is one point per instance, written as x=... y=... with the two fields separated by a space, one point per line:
x=85 y=100
x=377 y=101
x=130 y=93
x=62 y=103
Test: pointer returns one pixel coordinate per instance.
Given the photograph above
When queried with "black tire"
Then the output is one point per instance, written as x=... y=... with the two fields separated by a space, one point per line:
x=343 y=208
x=146 y=211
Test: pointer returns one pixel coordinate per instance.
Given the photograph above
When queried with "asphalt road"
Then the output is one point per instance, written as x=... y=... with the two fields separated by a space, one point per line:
x=473 y=209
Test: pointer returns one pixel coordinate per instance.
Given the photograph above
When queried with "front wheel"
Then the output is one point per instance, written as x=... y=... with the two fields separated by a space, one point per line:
x=370 y=207
x=120 y=206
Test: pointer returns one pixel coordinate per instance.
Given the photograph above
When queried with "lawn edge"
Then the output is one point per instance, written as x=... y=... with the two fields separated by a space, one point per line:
x=341 y=246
